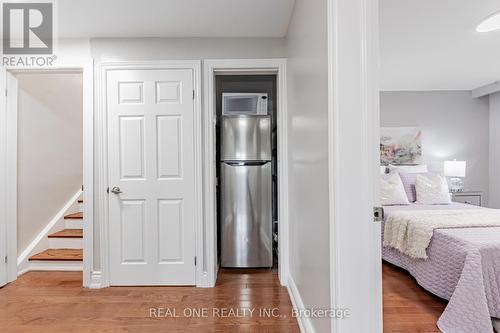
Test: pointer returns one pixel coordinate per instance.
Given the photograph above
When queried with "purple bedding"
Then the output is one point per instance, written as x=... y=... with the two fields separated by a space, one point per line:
x=463 y=267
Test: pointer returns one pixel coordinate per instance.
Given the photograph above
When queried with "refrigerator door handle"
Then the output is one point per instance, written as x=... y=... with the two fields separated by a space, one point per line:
x=246 y=163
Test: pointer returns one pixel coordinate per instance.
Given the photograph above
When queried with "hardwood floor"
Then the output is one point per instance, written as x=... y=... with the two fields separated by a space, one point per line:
x=55 y=302
x=408 y=308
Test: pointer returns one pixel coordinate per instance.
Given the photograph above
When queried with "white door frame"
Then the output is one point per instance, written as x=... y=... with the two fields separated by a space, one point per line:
x=208 y=264
x=102 y=277
x=8 y=161
x=3 y=180
x=353 y=141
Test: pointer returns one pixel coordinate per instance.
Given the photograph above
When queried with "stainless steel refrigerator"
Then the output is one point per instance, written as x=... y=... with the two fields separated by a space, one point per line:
x=246 y=194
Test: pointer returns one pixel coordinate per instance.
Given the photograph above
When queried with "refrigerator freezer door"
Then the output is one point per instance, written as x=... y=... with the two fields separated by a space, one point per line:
x=246 y=138
x=246 y=215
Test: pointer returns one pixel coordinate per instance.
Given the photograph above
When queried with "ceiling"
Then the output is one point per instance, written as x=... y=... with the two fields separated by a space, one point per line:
x=173 y=18
x=433 y=45
x=425 y=44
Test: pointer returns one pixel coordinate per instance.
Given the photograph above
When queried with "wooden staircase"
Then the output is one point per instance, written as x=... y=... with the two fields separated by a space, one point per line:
x=59 y=255
x=66 y=245
x=67 y=233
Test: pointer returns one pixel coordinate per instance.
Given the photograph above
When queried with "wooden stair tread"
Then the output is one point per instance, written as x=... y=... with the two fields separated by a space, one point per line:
x=59 y=255
x=74 y=216
x=67 y=233
x=80 y=200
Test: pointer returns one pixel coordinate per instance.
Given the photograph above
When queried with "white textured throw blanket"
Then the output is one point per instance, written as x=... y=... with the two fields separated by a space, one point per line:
x=410 y=232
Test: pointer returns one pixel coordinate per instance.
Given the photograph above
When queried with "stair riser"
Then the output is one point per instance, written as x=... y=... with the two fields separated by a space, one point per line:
x=65 y=243
x=39 y=265
x=80 y=206
x=73 y=224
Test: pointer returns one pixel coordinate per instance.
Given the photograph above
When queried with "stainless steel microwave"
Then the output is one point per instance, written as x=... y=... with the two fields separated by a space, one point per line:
x=244 y=103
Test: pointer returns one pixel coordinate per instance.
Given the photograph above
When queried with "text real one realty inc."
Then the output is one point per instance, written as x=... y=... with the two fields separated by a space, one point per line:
x=213 y=312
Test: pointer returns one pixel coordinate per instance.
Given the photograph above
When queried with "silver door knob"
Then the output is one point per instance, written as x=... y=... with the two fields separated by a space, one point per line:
x=116 y=190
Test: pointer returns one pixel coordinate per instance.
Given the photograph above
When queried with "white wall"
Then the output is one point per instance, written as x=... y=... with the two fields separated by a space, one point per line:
x=50 y=152
x=454 y=126
x=185 y=48
x=308 y=156
x=72 y=52
x=494 y=193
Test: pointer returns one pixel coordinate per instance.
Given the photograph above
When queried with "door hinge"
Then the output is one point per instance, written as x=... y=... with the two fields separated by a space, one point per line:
x=378 y=214
x=195 y=261
x=5 y=259
x=107 y=190
x=193 y=94
x=5 y=92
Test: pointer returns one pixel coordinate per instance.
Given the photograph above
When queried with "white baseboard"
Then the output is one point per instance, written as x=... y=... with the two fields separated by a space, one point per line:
x=41 y=241
x=24 y=270
x=96 y=280
x=305 y=324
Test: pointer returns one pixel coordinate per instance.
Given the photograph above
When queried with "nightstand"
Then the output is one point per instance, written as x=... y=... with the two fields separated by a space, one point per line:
x=468 y=197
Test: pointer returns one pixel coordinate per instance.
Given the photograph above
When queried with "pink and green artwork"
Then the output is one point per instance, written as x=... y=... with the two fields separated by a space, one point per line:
x=400 y=145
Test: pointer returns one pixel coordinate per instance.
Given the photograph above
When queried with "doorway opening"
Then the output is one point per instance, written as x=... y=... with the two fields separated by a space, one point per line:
x=45 y=160
x=235 y=74
x=50 y=171
x=246 y=170
x=439 y=165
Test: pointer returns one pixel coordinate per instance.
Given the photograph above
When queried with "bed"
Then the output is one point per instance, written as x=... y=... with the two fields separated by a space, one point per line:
x=463 y=267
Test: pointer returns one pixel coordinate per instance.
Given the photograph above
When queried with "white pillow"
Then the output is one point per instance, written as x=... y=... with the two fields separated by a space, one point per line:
x=432 y=190
x=392 y=191
x=421 y=168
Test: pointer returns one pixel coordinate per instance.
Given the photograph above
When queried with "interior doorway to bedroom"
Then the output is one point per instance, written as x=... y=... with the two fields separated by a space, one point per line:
x=439 y=121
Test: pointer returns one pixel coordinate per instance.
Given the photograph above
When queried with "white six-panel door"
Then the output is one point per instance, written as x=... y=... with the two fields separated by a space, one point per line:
x=151 y=161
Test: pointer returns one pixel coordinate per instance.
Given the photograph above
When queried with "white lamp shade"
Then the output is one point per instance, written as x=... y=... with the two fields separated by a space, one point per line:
x=454 y=168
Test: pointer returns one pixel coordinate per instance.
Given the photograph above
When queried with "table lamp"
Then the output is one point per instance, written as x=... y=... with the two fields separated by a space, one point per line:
x=456 y=170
